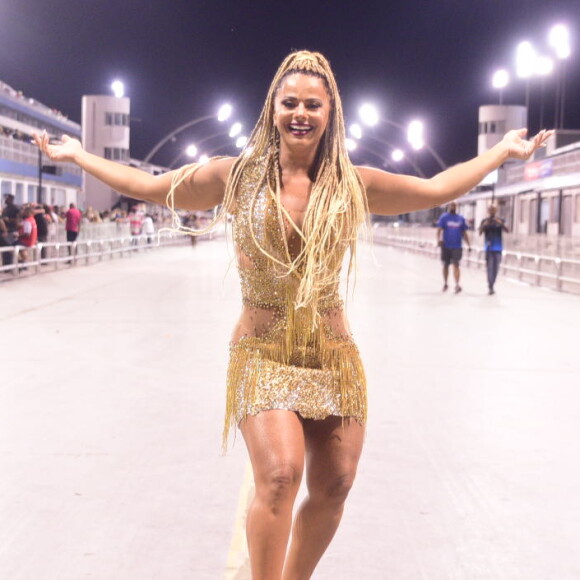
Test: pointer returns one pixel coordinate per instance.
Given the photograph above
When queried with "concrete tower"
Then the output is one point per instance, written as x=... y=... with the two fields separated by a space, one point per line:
x=495 y=121
x=105 y=132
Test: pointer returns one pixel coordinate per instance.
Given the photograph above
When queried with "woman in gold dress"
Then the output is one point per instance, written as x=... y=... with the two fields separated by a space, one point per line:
x=296 y=386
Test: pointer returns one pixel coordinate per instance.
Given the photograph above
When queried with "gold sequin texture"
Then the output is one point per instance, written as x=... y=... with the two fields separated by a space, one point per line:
x=302 y=360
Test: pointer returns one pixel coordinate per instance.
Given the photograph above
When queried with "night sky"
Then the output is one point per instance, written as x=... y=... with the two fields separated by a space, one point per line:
x=431 y=60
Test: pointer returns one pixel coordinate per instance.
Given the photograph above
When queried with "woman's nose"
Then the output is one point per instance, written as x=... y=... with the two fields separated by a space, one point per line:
x=301 y=110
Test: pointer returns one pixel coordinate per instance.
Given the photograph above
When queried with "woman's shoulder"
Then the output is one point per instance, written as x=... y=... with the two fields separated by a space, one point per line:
x=221 y=166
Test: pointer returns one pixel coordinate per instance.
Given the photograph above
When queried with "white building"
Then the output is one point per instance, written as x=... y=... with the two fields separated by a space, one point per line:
x=105 y=132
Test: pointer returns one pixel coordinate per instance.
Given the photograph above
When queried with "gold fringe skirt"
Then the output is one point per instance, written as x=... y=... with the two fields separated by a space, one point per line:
x=316 y=382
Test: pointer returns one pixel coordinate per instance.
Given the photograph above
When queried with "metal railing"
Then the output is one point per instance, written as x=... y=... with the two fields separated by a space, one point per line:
x=57 y=255
x=562 y=274
x=557 y=246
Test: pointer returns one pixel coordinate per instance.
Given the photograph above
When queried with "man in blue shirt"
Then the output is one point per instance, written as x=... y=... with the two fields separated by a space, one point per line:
x=492 y=227
x=451 y=231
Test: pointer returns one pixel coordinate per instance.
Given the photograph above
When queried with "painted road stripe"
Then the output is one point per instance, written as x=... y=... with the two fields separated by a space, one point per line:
x=238 y=563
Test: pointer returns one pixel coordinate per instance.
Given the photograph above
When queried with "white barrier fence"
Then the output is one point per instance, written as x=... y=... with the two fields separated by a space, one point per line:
x=561 y=274
x=18 y=260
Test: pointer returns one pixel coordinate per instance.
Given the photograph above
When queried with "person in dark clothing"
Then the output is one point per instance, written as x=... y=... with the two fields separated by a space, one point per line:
x=6 y=256
x=41 y=228
x=11 y=215
x=492 y=227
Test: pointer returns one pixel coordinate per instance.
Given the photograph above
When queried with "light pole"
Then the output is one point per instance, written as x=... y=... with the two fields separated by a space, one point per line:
x=240 y=143
x=232 y=133
x=223 y=114
x=525 y=67
x=396 y=151
x=190 y=151
x=39 y=191
x=374 y=151
x=370 y=116
x=544 y=66
x=49 y=169
x=559 y=40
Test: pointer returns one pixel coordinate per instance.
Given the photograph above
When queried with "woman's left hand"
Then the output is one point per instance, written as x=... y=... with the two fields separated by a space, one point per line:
x=521 y=148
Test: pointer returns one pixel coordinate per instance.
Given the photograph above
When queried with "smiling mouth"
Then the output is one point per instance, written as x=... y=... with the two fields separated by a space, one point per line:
x=300 y=130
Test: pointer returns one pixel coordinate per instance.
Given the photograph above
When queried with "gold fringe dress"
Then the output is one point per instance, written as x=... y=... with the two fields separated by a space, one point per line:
x=283 y=357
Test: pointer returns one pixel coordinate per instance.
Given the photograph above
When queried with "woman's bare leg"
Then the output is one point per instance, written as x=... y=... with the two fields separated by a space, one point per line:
x=275 y=441
x=333 y=448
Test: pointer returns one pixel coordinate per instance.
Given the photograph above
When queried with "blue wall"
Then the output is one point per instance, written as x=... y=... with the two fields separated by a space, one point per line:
x=31 y=171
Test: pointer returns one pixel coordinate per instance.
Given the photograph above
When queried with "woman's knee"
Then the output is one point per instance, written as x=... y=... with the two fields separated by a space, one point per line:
x=333 y=490
x=278 y=486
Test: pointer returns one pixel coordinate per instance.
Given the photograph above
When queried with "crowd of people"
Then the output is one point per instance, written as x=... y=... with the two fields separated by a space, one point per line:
x=27 y=225
x=14 y=134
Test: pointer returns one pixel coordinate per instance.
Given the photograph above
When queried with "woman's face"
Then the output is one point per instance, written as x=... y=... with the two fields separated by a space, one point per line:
x=301 y=110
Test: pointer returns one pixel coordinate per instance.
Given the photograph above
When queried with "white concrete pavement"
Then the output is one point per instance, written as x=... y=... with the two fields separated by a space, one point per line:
x=111 y=405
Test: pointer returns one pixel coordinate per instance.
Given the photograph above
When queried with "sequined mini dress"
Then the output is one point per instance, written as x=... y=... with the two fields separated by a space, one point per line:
x=283 y=357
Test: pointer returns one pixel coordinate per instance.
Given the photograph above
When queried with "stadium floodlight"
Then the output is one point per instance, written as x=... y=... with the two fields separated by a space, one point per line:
x=500 y=79
x=224 y=112
x=235 y=130
x=526 y=59
x=356 y=131
x=415 y=135
x=559 y=40
x=397 y=155
x=369 y=114
x=544 y=65
x=118 y=89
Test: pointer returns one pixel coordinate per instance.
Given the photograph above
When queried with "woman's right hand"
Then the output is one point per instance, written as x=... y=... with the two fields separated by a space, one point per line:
x=66 y=150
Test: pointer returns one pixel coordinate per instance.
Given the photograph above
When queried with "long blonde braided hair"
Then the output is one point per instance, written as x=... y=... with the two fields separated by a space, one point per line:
x=337 y=206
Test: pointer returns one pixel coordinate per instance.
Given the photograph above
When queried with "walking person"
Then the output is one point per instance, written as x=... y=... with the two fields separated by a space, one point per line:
x=296 y=386
x=451 y=233
x=492 y=228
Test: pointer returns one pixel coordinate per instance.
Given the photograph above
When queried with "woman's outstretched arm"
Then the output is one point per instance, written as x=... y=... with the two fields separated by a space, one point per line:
x=204 y=190
x=392 y=194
